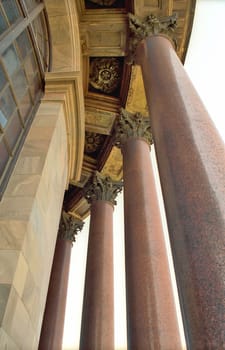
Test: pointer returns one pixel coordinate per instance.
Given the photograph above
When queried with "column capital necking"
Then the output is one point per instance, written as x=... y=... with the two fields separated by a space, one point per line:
x=103 y=188
x=132 y=126
x=141 y=28
x=69 y=226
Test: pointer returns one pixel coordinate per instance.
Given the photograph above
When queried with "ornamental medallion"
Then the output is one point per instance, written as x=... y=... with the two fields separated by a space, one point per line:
x=105 y=74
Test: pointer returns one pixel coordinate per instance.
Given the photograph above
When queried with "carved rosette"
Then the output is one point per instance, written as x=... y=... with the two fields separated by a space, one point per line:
x=131 y=125
x=69 y=226
x=102 y=188
x=105 y=74
x=150 y=25
x=93 y=142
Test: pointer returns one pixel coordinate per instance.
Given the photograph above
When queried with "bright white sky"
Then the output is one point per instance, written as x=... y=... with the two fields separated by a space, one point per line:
x=205 y=64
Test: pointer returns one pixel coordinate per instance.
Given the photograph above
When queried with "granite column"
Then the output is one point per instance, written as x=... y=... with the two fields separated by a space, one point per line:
x=53 y=322
x=97 y=329
x=191 y=160
x=151 y=314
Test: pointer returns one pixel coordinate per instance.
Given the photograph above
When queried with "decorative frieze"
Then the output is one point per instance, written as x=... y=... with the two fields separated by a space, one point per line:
x=150 y=25
x=69 y=226
x=102 y=188
x=132 y=125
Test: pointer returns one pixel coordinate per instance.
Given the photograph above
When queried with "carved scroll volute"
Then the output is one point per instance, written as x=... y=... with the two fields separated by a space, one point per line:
x=101 y=187
x=131 y=125
x=150 y=25
x=69 y=227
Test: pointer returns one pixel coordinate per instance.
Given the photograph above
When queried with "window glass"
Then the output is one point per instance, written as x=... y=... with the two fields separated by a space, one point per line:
x=36 y=85
x=41 y=35
x=25 y=106
x=7 y=106
x=11 y=60
x=30 y=66
x=23 y=43
x=4 y=155
x=19 y=84
x=11 y=10
x=3 y=119
x=3 y=23
x=2 y=78
x=13 y=131
x=31 y=3
x=22 y=67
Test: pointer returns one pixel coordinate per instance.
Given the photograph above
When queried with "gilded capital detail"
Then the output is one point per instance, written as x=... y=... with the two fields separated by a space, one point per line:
x=69 y=226
x=102 y=188
x=132 y=125
x=150 y=25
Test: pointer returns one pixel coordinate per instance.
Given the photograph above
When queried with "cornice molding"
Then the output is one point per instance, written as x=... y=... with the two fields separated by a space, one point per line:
x=67 y=88
x=64 y=25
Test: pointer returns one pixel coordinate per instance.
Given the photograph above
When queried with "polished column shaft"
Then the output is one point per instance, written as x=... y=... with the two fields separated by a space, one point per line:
x=151 y=314
x=97 y=329
x=98 y=308
x=53 y=322
x=191 y=160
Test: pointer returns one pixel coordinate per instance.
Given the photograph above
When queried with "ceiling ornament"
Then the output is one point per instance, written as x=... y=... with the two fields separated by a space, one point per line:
x=140 y=28
x=105 y=74
x=93 y=142
x=103 y=2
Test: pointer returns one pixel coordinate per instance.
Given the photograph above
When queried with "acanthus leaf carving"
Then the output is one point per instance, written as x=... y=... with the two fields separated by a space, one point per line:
x=132 y=125
x=103 y=188
x=150 y=25
x=69 y=226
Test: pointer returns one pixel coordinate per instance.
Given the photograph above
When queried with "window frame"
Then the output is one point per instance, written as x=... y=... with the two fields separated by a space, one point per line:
x=7 y=38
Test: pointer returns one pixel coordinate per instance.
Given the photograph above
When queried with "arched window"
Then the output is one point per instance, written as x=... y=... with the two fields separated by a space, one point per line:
x=24 y=58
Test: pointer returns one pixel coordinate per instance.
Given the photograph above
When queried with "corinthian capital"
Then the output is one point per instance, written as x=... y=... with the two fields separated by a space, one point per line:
x=150 y=25
x=69 y=226
x=102 y=188
x=132 y=125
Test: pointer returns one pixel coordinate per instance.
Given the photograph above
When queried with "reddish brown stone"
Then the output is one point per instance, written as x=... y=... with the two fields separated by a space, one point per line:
x=151 y=315
x=97 y=330
x=53 y=322
x=191 y=159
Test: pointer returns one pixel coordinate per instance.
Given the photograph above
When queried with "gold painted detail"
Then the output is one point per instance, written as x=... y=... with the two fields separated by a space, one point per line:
x=150 y=25
x=105 y=74
x=103 y=188
x=103 y=2
x=136 y=100
x=132 y=125
x=114 y=165
x=69 y=226
x=93 y=142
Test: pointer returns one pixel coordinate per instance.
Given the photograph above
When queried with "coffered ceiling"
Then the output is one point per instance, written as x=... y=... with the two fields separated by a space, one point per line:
x=109 y=83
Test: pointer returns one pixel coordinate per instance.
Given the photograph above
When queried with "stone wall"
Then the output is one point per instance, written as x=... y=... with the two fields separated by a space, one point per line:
x=29 y=217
